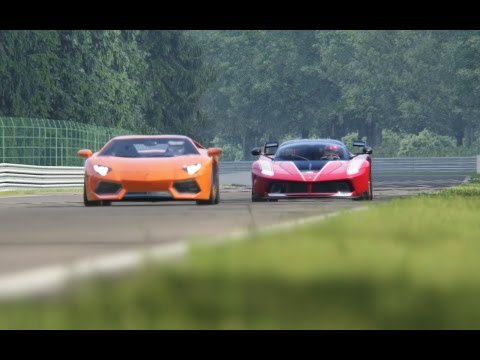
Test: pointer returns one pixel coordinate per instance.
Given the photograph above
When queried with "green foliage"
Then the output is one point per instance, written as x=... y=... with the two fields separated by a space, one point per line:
x=142 y=81
x=390 y=145
x=427 y=143
x=349 y=139
x=176 y=79
x=247 y=87
x=273 y=83
x=230 y=152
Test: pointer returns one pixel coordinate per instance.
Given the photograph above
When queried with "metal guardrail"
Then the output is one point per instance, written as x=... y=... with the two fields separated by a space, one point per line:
x=447 y=165
x=32 y=176
x=450 y=165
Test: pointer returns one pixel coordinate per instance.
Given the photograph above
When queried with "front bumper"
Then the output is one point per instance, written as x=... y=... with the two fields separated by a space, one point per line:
x=114 y=187
x=338 y=195
x=345 y=188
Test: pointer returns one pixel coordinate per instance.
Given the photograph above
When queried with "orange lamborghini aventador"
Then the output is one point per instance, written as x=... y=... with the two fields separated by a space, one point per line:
x=151 y=168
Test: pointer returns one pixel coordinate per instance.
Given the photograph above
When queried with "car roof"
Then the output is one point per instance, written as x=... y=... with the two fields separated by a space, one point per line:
x=128 y=137
x=310 y=141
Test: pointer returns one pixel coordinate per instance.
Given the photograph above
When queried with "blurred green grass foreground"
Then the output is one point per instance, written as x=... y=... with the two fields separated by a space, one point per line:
x=412 y=263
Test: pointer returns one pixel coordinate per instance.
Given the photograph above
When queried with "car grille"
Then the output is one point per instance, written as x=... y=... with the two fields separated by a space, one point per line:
x=187 y=186
x=280 y=187
x=332 y=187
x=290 y=187
x=149 y=195
x=107 y=188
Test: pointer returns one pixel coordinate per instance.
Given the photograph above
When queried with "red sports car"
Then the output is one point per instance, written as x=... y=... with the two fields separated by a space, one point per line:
x=322 y=168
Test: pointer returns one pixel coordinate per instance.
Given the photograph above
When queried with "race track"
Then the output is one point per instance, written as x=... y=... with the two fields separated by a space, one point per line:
x=37 y=231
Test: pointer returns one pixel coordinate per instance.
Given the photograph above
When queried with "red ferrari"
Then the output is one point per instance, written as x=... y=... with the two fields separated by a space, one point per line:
x=322 y=168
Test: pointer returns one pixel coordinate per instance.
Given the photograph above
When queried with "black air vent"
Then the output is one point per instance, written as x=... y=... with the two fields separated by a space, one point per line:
x=107 y=188
x=281 y=187
x=332 y=187
x=188 y=186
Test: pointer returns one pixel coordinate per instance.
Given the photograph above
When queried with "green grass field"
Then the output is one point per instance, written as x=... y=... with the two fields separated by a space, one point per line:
x=411 y=263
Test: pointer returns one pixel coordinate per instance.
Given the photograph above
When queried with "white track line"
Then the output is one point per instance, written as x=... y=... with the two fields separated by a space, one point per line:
x=49 y=279
x=241 y=235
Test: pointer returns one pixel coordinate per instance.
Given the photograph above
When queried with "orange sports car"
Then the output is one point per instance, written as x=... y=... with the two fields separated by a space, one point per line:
x=151 y=168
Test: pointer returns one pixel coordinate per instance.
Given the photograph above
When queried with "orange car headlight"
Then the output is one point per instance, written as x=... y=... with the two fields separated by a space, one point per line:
x=192 y=169
x=101 y=170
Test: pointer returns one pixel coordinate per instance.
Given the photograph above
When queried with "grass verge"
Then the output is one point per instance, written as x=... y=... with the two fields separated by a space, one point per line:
x=40 y=191
x=410 y=263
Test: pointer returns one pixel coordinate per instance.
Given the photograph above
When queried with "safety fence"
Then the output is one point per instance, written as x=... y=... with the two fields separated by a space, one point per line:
x=24 y=176
x=49 y=142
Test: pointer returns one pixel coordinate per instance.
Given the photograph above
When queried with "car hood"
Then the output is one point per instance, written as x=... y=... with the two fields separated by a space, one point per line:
x=305 y=167
x=125 y=164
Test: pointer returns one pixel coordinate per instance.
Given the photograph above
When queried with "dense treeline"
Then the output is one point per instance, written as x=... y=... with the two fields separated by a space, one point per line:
x=405 y=92
x=143 y=81
x=376 y=84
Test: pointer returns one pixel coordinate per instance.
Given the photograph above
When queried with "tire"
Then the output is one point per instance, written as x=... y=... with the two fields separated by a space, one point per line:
x=370 y=189
x=256 y=198
x=87 y=202
x=214 y=191
x=367 y=195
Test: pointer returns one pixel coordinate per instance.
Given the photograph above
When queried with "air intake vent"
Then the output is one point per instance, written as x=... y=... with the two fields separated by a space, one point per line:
x=281 y=187
x=332 y=187
x=107 y=188
x=188 y=186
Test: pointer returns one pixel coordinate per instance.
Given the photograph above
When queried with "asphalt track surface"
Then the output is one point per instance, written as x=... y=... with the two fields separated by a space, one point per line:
x=38 y=231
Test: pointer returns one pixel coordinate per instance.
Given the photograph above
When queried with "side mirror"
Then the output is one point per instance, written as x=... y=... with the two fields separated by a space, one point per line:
x=367 y=150
x=270 y=148
x=84 y=153
x=256 y=151
x=214 y=151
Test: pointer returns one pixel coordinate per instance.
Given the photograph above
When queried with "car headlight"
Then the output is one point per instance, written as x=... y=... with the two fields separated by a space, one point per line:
x=354 y=166
x=267 y=172
x=101 y=170
x=266 y=168
x=192 y=169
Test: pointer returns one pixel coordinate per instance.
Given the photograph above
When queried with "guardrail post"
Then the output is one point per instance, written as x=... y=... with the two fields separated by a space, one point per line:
x=478 y=164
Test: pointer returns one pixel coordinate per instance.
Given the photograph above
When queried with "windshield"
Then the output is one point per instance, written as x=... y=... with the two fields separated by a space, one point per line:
x=311 y=152
x=149 y=147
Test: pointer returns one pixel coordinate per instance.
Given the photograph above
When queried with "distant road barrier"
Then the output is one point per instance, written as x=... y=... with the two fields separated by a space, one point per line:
x=447 y=165
x=32 y=176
